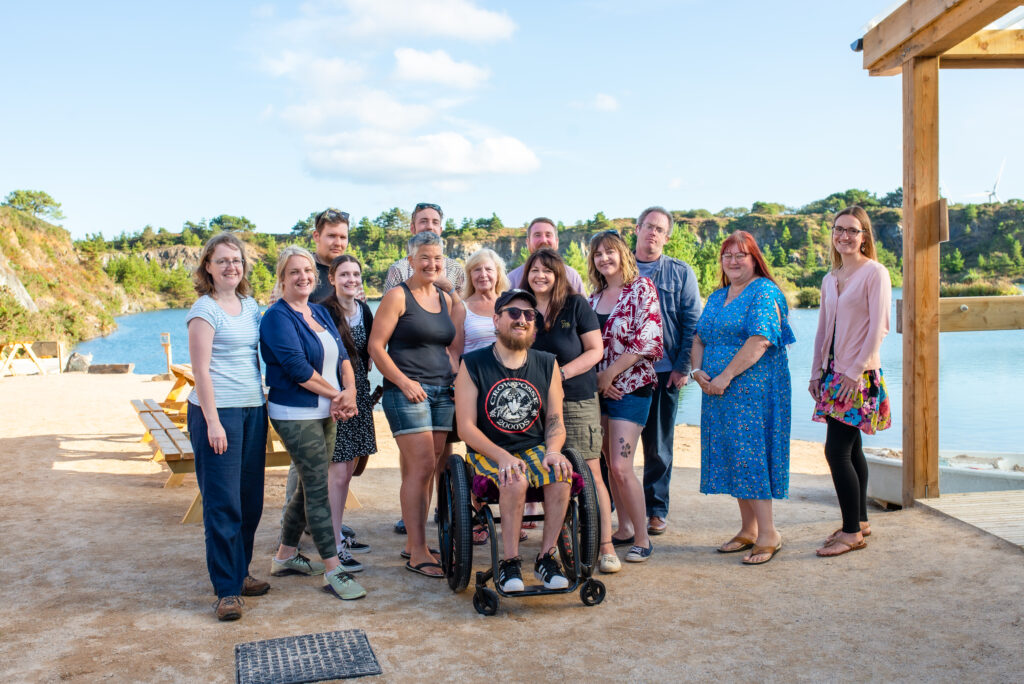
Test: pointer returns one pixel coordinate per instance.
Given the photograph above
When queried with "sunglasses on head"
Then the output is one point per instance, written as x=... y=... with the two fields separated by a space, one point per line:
x=332 y=216
x=428 y=205
x=514 y=312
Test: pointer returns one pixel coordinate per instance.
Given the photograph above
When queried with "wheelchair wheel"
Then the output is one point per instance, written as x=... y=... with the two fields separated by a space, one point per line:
x=454 y=523
x=485 y=601
x=590 y=531
x=592 y=592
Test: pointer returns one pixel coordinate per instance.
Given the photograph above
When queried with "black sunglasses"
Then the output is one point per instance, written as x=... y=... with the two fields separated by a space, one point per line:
x=332 y=216
x=428 y=205
x=514 y=312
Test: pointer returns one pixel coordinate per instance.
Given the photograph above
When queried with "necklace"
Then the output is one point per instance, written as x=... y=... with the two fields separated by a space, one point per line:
x=510 y=371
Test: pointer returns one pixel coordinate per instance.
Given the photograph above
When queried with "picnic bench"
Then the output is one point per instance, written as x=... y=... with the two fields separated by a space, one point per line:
x=35 y=351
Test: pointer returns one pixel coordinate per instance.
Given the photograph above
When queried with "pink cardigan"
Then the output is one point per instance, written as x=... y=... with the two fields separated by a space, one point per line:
x=858 y=318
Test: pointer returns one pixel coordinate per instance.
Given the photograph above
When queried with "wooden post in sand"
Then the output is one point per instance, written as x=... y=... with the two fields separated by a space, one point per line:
x=165 y=342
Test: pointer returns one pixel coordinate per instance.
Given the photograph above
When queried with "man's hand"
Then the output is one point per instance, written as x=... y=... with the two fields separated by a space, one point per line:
x=445 y=284
x=510 y=469
x=677 y=379
x=559 y=465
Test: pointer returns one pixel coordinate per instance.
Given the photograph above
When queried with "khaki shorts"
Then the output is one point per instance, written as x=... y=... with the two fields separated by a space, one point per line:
x=582 y=420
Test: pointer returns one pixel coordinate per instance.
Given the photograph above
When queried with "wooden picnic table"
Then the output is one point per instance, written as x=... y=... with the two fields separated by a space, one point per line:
x=9 y=351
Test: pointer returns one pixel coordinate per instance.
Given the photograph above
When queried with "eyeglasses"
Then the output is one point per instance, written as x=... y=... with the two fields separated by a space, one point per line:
x=734 y=256
x=224 y=263
x=332 y=216
x=514 y=312
x=850 y=232
x=427 y=205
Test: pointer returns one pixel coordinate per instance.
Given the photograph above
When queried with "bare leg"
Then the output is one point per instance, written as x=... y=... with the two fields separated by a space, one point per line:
x=339 y=477
x=604 y=507
x=418 y=460
x=622 y=438
x=624 y=525
x=556 y=503
x=767 y=535
x=511 y=499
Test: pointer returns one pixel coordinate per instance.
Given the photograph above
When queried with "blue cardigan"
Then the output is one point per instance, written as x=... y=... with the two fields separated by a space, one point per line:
x=292 y=352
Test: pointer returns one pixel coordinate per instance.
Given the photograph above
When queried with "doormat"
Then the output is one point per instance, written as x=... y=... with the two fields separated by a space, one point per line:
x=306 y=658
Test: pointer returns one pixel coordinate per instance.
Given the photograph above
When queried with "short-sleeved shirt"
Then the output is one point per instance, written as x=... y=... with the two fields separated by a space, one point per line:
x=563 y=340
x=401 y=270
x=234 y=360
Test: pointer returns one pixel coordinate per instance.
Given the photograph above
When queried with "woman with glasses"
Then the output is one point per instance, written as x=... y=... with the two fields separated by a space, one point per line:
x=417 y=330
x=846 y=375
x=311 y=384
x=227 y=418
x=356 y=437
x=627 y=310
x=739 y=360
x=568 y=328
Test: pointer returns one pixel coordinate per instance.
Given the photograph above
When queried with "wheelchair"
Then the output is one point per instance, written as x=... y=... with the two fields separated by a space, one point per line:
x=577 y=542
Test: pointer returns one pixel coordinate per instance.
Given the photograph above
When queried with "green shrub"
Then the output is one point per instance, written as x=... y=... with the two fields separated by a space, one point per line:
x=808 y=297
x=979 y=288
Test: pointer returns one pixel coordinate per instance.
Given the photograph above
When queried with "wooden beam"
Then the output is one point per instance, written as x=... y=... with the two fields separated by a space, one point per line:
x=926 y=28
x=920 y=279
x=987 y=50
x=958 y=314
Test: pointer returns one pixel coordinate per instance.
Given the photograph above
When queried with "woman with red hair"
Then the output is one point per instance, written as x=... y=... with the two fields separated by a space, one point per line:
x=739 y=360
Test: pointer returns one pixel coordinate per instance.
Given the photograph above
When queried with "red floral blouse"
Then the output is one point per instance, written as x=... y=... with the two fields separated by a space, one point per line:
x=633 y=327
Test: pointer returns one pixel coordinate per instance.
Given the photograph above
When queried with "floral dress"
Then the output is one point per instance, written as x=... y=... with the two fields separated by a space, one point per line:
x=356 y=436
x=744 y=433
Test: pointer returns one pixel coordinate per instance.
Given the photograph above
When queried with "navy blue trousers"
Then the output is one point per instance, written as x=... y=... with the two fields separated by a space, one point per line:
x=657 y=437
x=232 y=487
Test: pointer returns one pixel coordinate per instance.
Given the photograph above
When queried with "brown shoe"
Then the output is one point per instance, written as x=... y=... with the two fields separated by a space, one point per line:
x=254 y=587
x=228 y=608
x=656 y=525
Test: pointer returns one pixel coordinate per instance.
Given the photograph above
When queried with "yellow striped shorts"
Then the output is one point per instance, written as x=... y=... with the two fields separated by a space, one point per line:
x=536 y=474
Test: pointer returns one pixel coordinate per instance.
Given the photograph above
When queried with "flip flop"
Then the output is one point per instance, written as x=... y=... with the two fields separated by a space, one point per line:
x=849 y=547
x=761 y=550
x=418 y=569
x=628 y=541
x=523 y=535
x=743 y=541
x=405 y=554
x=530 y=525
x=480 y=535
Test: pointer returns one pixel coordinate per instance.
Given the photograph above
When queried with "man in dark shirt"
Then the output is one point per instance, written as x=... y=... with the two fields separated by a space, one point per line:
x=330 y=237
x=508 y=403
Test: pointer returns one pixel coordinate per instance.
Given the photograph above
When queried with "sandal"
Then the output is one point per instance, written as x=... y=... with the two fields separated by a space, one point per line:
x=523 y=535
x=433 y=552
x=743 y=542
x=480 y=535
x=418 y=569
x=530 y=525
x=849 y=547
x=760 y=551
x=865 y=532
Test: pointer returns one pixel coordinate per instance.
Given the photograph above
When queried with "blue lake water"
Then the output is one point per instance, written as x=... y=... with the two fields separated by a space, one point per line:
x=980 y=375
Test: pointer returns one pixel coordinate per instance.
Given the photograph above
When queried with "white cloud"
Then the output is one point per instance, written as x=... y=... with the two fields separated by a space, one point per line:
x=368 y=107
x=605 y=103
x=372 y=156
x=321 y=75
x=437 y=67
x=675 y=183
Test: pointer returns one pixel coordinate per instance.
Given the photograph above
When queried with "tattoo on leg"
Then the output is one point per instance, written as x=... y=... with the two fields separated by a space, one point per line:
x=626 y=449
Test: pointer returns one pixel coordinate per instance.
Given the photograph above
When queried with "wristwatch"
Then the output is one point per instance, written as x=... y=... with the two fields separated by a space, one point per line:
x=693 y=371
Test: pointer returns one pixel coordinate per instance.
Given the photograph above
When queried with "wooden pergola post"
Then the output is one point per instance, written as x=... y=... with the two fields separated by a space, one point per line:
x=920 y=278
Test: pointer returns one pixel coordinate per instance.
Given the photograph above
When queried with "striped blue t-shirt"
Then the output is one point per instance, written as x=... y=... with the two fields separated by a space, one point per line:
x=234 y=363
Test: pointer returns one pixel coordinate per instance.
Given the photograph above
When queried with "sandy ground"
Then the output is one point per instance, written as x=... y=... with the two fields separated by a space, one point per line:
x=100 y=581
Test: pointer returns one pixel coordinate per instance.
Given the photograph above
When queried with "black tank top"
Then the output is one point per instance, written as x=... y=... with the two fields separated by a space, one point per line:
x=418 y=345
x=511 y=405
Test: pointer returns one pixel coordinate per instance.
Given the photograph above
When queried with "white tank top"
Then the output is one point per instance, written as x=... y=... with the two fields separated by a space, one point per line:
x=479 y=331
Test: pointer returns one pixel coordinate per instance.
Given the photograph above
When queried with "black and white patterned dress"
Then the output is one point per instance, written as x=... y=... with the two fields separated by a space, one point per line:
x=356 y=436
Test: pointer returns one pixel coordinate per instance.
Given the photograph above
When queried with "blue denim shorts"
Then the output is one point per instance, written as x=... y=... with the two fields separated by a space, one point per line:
x=632 y=407
x=435 y=414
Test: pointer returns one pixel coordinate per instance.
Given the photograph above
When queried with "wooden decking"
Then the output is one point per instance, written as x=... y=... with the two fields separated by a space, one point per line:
x=998 y=513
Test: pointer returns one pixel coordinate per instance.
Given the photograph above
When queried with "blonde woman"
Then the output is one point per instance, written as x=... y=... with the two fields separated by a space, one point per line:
x=485 y=280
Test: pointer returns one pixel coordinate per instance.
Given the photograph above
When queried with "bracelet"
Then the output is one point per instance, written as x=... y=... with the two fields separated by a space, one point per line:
x=561 y=371
x=693 y=372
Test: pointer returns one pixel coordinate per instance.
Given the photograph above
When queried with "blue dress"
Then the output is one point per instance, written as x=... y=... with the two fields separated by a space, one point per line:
x=744 y=434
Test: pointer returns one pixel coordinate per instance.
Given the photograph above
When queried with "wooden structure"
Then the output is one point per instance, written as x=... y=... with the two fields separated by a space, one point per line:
x=917 y=39
x=35 y=351
x=998 y=513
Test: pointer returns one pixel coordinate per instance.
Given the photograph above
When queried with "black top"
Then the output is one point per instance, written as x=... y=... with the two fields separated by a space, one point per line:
x=510 y=404
x=563 y=340
x=336 y=313
x=323 y=287
x=602 y=319
x=418 y=345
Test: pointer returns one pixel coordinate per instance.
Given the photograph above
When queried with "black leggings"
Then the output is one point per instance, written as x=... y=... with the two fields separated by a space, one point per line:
x=849 y=473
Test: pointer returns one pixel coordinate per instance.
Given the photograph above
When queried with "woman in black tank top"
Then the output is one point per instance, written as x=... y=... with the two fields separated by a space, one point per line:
x=416 y=325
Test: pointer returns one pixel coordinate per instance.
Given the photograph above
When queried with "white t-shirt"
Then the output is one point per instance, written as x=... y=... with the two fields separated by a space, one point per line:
x=323 y=405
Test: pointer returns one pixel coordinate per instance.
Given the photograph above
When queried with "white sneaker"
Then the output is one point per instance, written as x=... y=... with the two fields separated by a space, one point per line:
x=609 y=563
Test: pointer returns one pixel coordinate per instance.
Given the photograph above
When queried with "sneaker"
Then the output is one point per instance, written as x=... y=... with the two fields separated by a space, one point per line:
x=296 y=565
x=348 y=563
x=228 y=608
x=547 y=570
x=399 y=527
x=609 y=563
x=510 y=575
x=355 y=546
x=343 y=585
x=347 y=531
x=254 y=587
x=638 y=554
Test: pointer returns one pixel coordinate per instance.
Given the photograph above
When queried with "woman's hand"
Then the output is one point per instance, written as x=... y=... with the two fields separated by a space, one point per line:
x=604 y=382
x=414 y=392
x=814 y=388
x=510 y=469
x=343 y=404
x=847 y=388
x=217 y=437
x=703 y=380
x=719 y=384
x=559 y=465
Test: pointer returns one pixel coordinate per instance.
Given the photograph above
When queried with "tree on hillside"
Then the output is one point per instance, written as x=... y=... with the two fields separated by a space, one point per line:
x=576 y=257
x=229 y=222
x=598 y=223
x=35 y=202
x=894 y=199
x=393 y=219
x=304 y=227
x=770 y=208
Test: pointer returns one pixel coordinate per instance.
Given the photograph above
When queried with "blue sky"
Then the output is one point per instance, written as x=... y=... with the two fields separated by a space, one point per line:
x=140 y=113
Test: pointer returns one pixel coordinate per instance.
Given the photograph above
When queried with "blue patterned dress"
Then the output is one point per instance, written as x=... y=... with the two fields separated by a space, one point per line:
x=744 y=434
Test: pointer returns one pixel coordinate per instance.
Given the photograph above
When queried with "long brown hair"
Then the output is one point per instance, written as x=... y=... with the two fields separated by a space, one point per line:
x=627 y=262
x=745 y=242
x=867 y=243
x=338 y=314
x=201 y=278
x=549 y=259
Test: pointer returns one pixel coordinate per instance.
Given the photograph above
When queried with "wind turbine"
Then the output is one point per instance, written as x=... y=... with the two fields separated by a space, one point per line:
x=991 y=194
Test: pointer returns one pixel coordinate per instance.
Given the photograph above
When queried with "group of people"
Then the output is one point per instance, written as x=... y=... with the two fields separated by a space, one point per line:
x=520 y=367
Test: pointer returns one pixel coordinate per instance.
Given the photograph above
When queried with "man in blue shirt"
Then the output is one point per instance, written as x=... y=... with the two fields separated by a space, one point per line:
x=679 y=297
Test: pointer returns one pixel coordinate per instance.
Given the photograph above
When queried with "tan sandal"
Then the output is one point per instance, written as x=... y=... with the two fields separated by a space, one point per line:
x=760 y=551
x=743 y=541
x=865 y=532
x=849 y=547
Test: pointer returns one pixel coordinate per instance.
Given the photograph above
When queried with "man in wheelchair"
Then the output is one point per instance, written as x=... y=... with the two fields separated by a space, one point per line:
x=508 y=403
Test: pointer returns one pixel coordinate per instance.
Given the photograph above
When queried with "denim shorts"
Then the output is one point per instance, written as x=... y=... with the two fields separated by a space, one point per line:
x=435 y=414
x=632 y=407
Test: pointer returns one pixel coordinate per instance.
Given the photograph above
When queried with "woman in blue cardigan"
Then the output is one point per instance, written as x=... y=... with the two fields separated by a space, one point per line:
x=311 y=384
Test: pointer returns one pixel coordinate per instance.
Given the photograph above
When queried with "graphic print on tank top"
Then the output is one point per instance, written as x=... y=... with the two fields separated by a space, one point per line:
x=513 y=405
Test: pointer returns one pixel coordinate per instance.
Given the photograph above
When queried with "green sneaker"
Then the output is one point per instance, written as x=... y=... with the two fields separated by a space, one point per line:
x=343 y=585
x=296 y=565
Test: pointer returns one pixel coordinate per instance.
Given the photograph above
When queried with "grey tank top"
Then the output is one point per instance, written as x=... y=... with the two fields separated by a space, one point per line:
x=418 y=345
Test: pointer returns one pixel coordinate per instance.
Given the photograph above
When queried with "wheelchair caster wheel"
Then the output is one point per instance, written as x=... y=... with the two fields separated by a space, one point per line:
x=592 y=592
x=486 y=602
